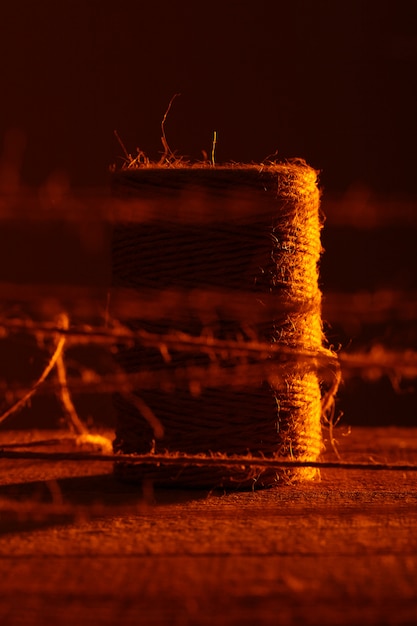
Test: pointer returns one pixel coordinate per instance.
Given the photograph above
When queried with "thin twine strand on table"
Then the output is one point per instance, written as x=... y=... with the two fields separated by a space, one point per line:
x=182 y=460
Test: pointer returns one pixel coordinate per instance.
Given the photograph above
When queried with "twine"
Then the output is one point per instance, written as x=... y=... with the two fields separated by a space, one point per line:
x=9 y=451
x=270 y=248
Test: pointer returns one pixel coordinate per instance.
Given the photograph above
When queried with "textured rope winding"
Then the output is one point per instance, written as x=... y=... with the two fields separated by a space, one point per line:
x=271 y=248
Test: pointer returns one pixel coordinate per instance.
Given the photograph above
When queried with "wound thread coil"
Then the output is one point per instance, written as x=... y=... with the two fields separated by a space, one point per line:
x=245 y=228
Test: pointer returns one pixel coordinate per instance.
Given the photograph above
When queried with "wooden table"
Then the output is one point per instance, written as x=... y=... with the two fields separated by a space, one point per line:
x=76 y=547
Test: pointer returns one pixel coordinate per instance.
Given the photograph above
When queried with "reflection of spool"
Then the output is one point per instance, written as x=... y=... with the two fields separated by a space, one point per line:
x=246 y=228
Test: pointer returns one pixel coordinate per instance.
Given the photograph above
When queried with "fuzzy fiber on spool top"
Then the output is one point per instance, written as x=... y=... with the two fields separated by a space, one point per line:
x=247 y=228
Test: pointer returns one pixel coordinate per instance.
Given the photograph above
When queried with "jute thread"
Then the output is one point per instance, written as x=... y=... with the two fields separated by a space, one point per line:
x=13 y=451
x=272 y=247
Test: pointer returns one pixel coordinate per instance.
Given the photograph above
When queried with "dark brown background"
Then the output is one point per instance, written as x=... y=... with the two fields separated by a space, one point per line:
x=333 y=82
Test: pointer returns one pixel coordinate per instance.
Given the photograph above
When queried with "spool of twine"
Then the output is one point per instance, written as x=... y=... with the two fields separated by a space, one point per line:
x=245 y=228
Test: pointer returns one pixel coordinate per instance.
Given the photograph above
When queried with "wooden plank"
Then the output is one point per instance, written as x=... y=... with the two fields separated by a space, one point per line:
x=342 y=550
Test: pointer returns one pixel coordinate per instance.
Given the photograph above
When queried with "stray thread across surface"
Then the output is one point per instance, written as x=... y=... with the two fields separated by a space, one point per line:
x=270 y=248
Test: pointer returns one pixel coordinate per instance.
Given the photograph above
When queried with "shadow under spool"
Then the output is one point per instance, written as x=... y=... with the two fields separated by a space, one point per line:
x=241 y=228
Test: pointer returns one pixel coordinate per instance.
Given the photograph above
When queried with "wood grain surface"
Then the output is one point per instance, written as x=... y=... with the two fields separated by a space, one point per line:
x=76 y=547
